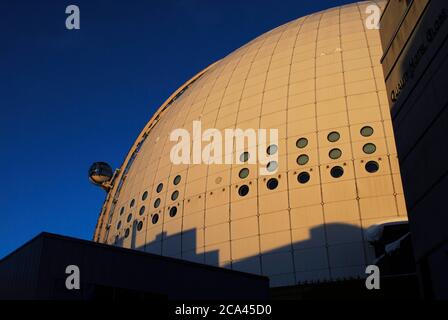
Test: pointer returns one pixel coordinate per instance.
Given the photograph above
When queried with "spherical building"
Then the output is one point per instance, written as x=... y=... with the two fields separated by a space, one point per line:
x=318 y=80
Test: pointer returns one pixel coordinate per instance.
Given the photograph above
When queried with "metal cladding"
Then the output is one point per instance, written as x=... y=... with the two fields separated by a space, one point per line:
x=319 y=81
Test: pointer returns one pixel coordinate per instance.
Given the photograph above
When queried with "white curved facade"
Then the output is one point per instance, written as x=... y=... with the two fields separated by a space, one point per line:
x=313 y=76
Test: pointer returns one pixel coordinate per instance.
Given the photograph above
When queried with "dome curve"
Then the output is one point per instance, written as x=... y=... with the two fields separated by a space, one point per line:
x=317 y=78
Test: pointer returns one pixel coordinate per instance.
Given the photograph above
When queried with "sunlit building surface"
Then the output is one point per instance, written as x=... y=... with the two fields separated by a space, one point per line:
x=414 y=37
x=319 y=81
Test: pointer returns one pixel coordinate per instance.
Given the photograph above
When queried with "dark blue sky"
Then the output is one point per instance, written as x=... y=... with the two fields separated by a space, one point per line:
x=69 y=98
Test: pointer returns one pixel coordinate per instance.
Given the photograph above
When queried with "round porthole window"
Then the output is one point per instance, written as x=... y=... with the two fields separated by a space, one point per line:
x=303 y=177
x=159 y=187
x=272 y=149
x=131 y=205
x=126 y=233
x=335 y=153
x=369 y=148
x=142 y=210
x=366 y=131
x=145 y=195
x=157 y=203
x=244 y=173
x=372 y=166
x=301 y=143
x=155 y=218
x=272 y=184
x=272 y=166
x=140 y=226
x=243 y=190
x=244 y=157
x=175 y=195
x=118 y=225
x=173 y=212
x=302 y=159
x=129 y=218
x=337 y=172
x=176 y=180
x=333 y=136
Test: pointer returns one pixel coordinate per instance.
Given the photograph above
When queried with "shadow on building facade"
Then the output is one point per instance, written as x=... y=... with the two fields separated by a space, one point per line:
x=331 y=263
x=414 y=36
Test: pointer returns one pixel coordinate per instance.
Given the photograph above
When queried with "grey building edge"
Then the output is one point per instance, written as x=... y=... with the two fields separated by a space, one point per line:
x=415 y=63
x=37 y=271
